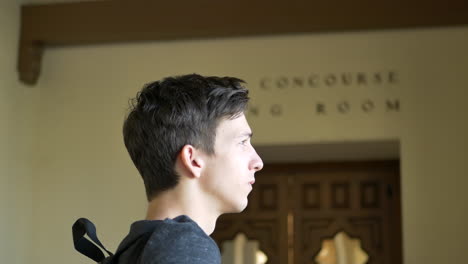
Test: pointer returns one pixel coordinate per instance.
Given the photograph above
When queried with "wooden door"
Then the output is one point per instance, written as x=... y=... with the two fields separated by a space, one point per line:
x=360 y=199
x=264 y=219
x=294 y=208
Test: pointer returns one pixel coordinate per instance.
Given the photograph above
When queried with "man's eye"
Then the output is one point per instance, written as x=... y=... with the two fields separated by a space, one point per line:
x=245 y=141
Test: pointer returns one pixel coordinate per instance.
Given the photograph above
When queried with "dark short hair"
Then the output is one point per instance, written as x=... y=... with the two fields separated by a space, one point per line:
x=166 y=115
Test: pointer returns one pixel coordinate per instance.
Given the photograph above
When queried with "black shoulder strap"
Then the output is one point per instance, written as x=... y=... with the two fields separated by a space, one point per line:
x=82 y=227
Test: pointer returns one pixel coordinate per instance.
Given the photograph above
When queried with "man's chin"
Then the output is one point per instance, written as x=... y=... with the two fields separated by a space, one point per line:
x=243 y=206
x=238 y=208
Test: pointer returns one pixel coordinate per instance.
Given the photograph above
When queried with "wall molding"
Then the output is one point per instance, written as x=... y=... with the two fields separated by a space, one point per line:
x=120 y=21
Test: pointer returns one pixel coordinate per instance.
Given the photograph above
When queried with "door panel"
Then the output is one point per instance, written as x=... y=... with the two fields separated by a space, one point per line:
x=355 y=198
x=294 y=208
x=263 y=220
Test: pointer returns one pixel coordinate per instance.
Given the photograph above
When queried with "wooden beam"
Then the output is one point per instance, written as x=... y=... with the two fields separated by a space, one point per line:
x=97 y=22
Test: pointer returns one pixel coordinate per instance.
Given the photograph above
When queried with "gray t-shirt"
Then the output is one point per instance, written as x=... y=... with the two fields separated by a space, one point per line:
x=170 y=241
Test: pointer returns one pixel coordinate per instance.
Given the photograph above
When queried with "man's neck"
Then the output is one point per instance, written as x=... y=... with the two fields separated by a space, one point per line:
x=171 y=204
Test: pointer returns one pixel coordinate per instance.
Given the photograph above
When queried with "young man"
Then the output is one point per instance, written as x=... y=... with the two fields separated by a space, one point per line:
x=190 y=141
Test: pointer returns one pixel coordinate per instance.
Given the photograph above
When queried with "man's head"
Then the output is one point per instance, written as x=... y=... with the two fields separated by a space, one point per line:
x=175 y=112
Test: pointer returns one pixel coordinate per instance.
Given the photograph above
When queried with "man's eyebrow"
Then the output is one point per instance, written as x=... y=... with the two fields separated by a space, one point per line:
x=246 y=134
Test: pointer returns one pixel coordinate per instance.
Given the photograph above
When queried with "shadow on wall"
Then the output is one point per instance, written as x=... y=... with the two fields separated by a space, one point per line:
x=331 y=151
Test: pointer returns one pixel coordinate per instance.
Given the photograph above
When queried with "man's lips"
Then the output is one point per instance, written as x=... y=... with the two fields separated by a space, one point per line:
x=252 y=182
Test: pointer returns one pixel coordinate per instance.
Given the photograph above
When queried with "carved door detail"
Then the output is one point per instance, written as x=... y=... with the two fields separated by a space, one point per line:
x=294 y=208
x=264 y=219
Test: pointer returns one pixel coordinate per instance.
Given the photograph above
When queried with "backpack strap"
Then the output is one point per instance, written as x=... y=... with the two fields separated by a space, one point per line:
x=84 y=227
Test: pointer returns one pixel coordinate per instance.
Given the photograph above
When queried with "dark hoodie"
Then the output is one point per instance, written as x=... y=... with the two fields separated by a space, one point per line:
x=170 y=241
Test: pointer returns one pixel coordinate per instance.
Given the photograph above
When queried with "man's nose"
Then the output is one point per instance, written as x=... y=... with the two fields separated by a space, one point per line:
x=257 y=163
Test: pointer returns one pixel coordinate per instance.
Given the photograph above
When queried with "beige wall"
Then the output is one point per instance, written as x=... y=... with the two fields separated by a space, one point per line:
x=82 y=168
x=62 y=155
x=17 y=130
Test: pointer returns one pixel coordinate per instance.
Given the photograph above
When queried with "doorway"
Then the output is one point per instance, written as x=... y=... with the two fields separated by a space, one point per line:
x=324 y=213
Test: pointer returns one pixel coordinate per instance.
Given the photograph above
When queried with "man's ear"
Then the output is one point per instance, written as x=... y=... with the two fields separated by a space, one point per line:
x=192 y=160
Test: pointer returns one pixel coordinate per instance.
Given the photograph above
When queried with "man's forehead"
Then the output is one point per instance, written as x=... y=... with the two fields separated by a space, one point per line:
x=235 y=127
